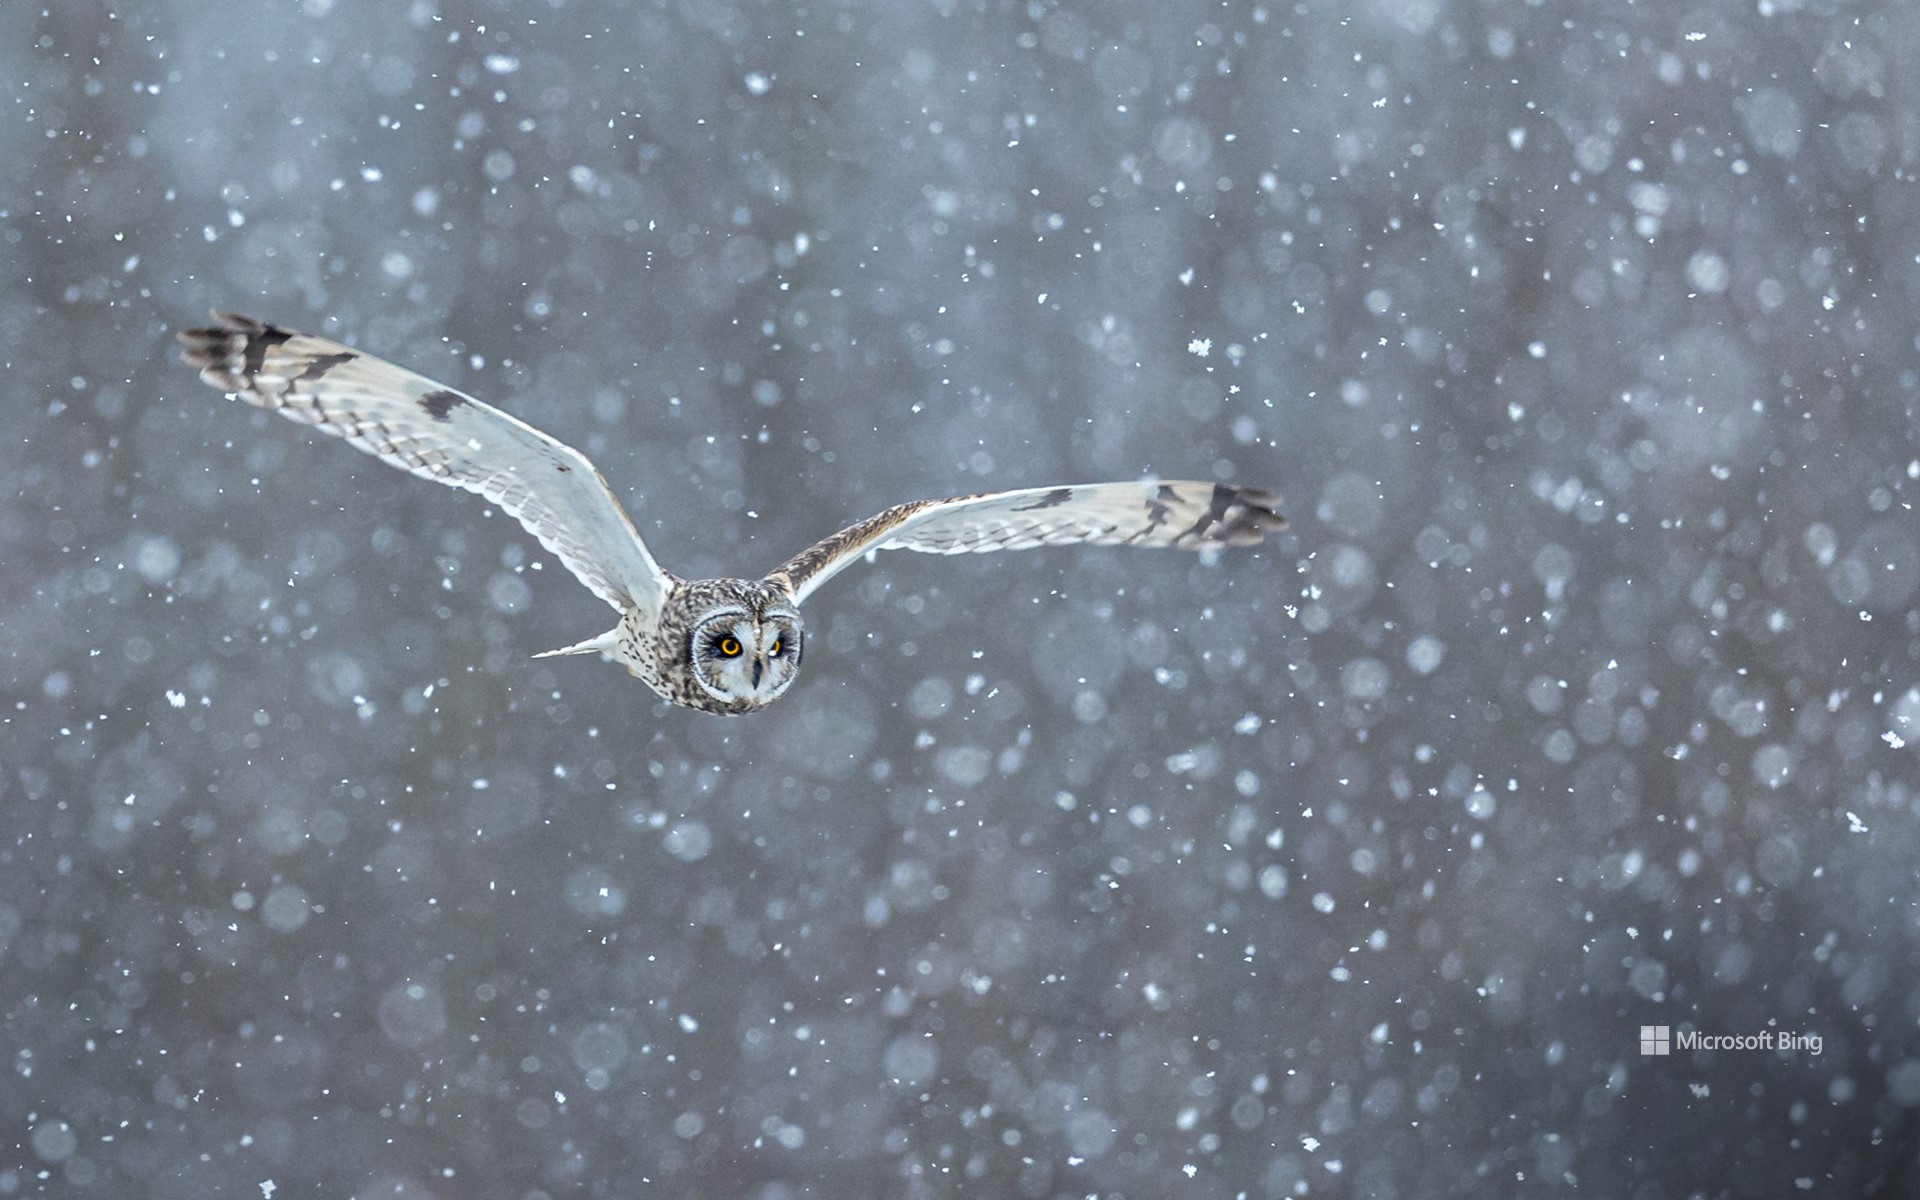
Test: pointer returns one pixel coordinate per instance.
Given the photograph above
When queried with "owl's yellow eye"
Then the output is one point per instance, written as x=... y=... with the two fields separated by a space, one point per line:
x=730 y=647
x=774 y=649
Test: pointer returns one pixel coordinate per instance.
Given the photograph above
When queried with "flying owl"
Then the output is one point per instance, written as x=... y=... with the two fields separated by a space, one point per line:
x=725 y=646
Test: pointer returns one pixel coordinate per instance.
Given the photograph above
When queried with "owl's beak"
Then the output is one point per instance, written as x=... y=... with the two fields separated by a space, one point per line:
x=758 y=664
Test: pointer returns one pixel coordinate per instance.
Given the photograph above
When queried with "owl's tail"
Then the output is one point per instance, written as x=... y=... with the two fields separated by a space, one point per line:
x=604 y=644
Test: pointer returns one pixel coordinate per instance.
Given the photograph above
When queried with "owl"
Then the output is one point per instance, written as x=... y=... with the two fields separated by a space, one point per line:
x=726 y=646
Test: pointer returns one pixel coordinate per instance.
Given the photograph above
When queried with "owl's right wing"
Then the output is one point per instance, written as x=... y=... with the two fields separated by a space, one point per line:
x=1180 y=513
x=413 y=423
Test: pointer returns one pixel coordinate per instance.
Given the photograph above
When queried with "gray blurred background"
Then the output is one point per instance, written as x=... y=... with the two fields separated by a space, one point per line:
x=1577 y=338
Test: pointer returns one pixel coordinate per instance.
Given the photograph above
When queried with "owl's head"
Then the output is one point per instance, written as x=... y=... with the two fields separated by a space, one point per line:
x=744 y=651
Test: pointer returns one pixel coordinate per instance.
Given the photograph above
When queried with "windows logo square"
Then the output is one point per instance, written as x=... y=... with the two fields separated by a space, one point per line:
x=1654 y=1040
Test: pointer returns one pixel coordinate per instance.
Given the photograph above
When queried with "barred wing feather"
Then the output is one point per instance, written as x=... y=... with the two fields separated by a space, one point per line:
x=432 y=431
x=1180 y=513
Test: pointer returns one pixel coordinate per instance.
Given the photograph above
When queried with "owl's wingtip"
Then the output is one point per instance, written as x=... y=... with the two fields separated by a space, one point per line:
x=1250 y=514
x=220 y=351
x=205 y=349
x=217 y=352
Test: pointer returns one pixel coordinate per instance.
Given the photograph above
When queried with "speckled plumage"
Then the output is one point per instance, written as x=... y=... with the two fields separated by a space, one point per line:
x=725 y=646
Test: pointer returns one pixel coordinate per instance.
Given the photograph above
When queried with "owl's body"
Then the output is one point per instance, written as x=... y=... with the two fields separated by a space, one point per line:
x=726 y=646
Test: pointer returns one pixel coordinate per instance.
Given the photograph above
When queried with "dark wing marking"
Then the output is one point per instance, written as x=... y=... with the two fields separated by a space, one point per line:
x=1052 y=499
x=1182 y=514
x=441 y=403
x=434 y=432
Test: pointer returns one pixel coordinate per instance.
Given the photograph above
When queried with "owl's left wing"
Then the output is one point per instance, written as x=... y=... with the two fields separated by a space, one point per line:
x=432 y=431
x=1178 y=513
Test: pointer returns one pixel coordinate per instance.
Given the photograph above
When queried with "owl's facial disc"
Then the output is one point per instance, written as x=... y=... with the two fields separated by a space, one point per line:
x=738 y=655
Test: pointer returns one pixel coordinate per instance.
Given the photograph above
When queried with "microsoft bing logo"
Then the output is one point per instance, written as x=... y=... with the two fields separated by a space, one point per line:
x=1660 y=1039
